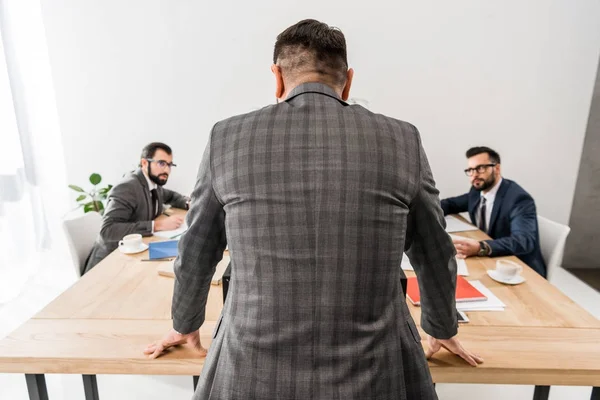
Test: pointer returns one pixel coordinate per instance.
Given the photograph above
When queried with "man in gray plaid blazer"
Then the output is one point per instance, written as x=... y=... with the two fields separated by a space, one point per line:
x=317 y=201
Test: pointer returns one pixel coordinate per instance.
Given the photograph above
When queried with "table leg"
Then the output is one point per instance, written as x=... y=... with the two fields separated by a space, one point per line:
x=595 y=393
x=90 y=387
x=36 y=386
x=541 y=393
x=196 y=378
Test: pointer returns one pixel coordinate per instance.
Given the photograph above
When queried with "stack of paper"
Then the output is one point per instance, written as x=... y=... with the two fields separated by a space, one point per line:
x=454 y=224
x=174 y=234
x=460 y=263
x=492 y=303
x=465 y=291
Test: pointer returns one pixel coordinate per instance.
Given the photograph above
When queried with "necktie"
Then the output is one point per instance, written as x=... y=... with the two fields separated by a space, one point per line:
x=154 y=193
x=482 y=224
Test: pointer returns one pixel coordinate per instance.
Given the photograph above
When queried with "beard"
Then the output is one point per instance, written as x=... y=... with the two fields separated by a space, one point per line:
x=486 y=184
x=159 y=179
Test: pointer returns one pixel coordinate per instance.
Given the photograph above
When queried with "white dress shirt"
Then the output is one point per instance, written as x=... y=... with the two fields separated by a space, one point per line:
x=489 y=205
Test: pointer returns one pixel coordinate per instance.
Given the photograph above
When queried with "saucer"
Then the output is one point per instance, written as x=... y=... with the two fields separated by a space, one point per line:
x=143 y=247
x=515 y=280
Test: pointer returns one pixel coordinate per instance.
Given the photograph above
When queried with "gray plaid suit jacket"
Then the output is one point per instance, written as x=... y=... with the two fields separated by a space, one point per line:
x=317 y=201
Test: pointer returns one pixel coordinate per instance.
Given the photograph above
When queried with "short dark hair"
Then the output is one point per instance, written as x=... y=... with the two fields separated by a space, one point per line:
x=312 y=46
x=494 y=156
x=150 y=149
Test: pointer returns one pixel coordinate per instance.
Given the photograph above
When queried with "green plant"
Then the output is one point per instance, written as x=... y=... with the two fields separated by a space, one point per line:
x=92 y=200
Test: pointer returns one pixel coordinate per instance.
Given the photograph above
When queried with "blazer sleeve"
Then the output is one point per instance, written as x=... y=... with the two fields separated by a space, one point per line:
x=120 y=216
x=432 y=254
x=200 y=249
x=456 y=205
x=523 y=230
x=175 y=199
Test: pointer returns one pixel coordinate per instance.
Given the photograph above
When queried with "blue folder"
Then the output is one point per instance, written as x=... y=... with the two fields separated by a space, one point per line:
x=164 y=249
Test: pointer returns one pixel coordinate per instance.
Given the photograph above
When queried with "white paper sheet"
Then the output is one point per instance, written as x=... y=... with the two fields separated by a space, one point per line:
x=461 y=264
x=173 y=234
x=492 y=303
x=454 y=224
x=405 y=263
x=462 y=267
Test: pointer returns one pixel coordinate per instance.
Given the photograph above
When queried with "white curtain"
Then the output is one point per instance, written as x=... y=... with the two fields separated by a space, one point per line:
x=33 y=192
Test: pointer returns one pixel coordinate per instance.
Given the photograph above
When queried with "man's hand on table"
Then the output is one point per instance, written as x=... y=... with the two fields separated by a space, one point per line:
x=174 y=338
x=164 y=223
x=453 y=345
x=465 y=247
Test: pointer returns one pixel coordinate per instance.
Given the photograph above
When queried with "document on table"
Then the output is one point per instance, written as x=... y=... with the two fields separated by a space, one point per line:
x=454 y=224
x=492 y=303
x=460 y=263
x=173 y=234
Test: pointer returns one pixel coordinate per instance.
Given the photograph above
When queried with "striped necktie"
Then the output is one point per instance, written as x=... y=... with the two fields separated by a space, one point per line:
x=482 y=224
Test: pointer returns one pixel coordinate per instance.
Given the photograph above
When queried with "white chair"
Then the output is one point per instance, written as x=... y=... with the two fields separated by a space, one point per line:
x=553 y=237
x=81 y=234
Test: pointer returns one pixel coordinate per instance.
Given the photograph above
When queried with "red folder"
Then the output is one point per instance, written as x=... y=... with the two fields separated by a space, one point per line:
x=464 y=291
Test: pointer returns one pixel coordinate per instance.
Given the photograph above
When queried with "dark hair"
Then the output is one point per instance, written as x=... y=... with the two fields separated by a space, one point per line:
x=494 y=157
x=150 y=149
x=312 y=46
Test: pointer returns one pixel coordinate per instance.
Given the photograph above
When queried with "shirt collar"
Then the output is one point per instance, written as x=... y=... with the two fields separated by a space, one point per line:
x=491 y=195
x=314 y=87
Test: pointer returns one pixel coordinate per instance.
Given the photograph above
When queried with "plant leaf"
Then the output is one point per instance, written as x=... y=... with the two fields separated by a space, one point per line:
x=88 y=207
x=83 y=196
x=95 y=179
x=100 y=206
x=77 y=188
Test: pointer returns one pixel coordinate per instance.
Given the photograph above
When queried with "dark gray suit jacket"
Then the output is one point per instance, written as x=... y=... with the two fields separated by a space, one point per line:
x=317 y=201
x=129 y=210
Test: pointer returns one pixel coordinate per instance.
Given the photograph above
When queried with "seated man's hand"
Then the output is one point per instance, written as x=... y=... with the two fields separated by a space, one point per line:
x=465 y=247
x=453 y=345
x=164 y=223
x=174 y=338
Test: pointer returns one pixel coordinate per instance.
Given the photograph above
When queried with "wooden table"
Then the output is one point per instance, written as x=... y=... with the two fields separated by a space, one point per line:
x=103 y=322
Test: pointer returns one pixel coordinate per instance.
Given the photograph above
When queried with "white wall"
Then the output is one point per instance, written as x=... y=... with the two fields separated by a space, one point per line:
x=515 y=75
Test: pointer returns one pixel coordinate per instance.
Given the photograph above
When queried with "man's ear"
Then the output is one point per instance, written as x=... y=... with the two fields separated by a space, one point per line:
x=346 y=90
x=279 y=85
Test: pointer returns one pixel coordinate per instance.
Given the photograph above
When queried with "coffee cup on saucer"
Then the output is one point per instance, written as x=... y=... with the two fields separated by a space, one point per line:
x=132 y=244
x=508 y=272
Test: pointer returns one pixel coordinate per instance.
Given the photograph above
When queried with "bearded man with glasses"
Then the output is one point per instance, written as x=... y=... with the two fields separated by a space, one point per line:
x=499 y=207
x=135 y=205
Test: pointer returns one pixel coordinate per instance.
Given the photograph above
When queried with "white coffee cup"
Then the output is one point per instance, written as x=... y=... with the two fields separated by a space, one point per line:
x=131 y=242
x=508 y=269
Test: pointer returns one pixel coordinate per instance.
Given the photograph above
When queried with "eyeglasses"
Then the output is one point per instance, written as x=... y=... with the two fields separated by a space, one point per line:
x=162 y=163
x=480 y=169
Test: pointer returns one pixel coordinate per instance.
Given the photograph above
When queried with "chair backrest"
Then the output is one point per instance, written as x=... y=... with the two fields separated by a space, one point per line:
x=81 y=234
x=553 y=237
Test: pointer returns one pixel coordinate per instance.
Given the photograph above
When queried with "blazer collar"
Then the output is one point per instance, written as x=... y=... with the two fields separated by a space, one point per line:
x=314 y=87
x=146 y=190
x=139 y=174
x=498 y=203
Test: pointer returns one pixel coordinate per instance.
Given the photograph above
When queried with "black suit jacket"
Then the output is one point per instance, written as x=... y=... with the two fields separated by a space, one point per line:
x=513 y=224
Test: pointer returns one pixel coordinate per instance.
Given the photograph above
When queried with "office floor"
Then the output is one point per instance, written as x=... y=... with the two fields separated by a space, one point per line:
x=47 y=283
x=591 y=276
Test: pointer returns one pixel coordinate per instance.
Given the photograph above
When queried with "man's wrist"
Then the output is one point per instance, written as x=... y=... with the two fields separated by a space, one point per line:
x=484 y=249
